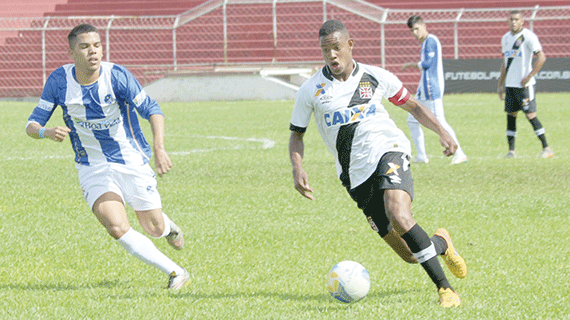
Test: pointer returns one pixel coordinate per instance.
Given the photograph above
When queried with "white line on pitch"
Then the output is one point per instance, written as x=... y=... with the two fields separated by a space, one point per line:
x=265 y=144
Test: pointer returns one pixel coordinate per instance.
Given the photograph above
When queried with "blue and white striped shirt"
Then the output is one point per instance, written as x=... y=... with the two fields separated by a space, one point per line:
x=102 y=118
x=431 y=83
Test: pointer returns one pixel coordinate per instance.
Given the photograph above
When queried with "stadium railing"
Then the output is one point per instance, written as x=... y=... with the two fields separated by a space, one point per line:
x=274 y=34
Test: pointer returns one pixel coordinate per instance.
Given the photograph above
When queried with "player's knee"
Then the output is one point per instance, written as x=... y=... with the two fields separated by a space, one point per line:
x=117 y=231
x=154 y=228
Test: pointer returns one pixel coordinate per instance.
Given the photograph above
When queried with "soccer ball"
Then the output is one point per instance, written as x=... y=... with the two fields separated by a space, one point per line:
x=348 y=281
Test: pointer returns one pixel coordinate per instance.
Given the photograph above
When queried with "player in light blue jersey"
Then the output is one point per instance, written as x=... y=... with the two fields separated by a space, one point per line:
x=430 y=90
x=100 y=102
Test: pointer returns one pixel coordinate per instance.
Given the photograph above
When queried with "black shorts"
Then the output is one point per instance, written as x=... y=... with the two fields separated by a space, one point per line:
x=393 y=172
x=517 y=99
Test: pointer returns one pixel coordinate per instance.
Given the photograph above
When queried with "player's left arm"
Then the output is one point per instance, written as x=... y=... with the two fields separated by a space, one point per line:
x=161 y=157
x=148 y=108
x=424 y=116
x=539 y=61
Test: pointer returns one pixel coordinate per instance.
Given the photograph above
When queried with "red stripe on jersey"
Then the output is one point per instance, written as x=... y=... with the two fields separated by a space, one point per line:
x=401 y=97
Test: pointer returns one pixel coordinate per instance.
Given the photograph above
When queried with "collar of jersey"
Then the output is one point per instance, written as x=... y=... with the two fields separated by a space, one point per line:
x=327 y=72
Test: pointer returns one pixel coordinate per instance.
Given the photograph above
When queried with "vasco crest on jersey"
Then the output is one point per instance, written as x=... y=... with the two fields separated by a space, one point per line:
x=365 y=90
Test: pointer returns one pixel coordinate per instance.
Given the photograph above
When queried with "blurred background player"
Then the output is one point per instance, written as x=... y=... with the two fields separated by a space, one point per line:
x=99 y=100
x=371 y=152
x=516 y=83
x=430 y=89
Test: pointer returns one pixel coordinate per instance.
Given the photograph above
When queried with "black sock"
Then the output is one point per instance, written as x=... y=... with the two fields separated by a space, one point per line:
x=418 y=240
x=440 y=245
x=511 y=131
x=539 y=131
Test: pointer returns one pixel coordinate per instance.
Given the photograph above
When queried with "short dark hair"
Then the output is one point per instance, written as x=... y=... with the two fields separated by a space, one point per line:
x=82 y=28
x=413 y=20
x=331 y=27
x=515 y=12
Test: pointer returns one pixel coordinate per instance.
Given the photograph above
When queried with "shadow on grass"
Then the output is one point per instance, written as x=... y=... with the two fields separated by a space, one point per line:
x=184 y=294
x=281 y=296
x=61 y=286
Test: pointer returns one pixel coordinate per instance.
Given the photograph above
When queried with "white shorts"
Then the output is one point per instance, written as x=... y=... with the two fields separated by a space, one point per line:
x=136 y=185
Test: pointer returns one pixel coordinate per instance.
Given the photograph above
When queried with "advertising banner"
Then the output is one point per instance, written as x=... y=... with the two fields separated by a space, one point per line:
x=482 y=75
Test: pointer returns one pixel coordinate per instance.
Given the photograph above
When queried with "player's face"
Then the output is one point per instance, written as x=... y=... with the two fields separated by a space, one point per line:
x=419 y=31
x=516 y=22
x=87 y=52
x=337 y=53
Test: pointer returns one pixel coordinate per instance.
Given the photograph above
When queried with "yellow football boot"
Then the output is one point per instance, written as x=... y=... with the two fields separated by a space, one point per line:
x=448 y=298
x=454 y=261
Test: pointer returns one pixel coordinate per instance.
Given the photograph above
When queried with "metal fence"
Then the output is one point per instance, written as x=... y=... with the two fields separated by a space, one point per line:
x=262 y=33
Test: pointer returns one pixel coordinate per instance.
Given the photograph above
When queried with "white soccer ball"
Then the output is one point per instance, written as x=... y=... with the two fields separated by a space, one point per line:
x=348 y=281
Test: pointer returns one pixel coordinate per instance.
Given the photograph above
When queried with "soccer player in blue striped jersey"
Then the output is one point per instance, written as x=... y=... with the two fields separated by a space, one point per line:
x=100 y=102
x=371 y=153
x=430 y=90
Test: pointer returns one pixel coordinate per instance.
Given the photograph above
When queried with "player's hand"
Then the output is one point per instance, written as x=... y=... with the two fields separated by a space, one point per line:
x=162 y=161
x=301 y=181
x=57 y=133
x=525 y=81
x=501 y=92
x=448 y=143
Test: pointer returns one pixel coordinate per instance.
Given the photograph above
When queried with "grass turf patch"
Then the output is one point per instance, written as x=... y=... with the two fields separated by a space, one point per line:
x=256 y=249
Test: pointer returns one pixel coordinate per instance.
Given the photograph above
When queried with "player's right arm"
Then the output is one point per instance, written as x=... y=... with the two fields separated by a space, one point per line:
x=503 y=76
x=501 y=85
x=410 y=65
x=300 y=119
x=300 y=177
x=44 y=110
x=57 y=133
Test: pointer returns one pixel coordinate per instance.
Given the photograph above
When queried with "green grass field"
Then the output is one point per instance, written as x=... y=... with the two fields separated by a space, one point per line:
x=256 y=249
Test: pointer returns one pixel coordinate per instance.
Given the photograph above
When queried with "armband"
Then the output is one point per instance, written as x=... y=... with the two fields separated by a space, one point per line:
x=401 y=97
x=41 y=132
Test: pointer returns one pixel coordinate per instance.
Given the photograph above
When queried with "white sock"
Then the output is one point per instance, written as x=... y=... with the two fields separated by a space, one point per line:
x=167 y=225
x=418 y=137
x=144 y=249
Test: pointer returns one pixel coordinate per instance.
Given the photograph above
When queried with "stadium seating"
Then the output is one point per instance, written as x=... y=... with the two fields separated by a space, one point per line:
x=123 y=7
x=249 y=34
x=467 y=4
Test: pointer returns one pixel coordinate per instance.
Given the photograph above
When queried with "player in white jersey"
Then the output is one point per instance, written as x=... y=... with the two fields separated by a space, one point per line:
x=371 y=153
x=99 y=100
x=430 y=90
x=516 y=82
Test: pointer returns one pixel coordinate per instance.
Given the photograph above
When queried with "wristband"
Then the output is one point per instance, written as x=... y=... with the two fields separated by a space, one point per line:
x=41 y=132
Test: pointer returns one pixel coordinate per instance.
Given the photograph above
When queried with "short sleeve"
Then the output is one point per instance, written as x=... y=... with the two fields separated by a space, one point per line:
x=127 y=87
x=48 y=100
x=302 y=110
x=534 y=43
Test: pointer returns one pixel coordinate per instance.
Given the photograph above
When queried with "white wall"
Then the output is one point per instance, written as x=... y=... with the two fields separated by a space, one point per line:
x=209 y=87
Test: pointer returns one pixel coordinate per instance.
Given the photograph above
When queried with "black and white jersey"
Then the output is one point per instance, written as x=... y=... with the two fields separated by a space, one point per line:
x=351 y=119
x=518 y=51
